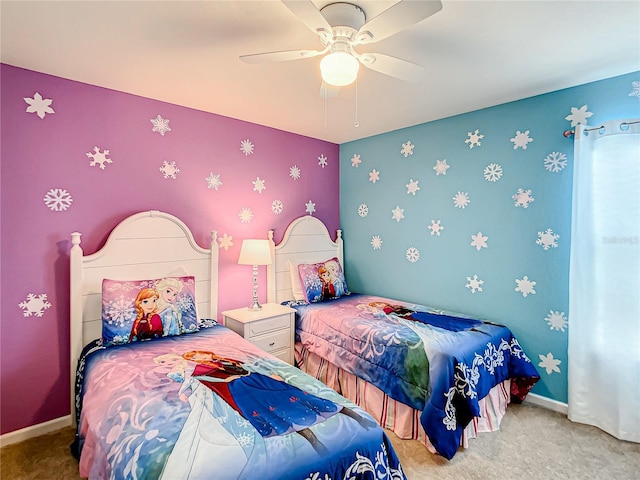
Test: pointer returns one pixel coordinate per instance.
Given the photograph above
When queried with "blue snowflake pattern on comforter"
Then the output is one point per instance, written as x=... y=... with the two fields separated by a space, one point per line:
x=437 y=362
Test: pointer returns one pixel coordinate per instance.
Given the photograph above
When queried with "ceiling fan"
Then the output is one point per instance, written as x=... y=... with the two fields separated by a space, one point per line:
x=341 y=27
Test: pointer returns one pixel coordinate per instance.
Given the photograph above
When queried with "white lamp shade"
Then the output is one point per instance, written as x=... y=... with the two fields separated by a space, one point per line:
x=339 y=68
x=255 y=252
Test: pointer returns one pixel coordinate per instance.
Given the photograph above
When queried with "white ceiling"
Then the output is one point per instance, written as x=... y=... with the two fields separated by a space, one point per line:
x=478 y=54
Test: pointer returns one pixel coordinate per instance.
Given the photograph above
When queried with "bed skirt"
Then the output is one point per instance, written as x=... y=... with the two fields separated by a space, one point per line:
x=401 y=419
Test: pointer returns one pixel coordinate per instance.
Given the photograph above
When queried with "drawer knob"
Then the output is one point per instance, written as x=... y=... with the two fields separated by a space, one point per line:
x=272 y=344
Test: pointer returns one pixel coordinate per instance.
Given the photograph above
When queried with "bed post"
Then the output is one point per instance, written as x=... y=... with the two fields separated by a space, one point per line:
x=213 y=276
x=271 y=270
x=75 y=310
x=340 y=245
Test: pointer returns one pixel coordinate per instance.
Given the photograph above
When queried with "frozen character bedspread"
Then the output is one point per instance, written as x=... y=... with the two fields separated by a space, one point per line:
x=436 y=362
x=211 y=405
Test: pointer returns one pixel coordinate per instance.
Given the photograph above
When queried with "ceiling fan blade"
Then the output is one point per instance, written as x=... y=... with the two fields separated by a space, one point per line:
x=308 y=14
x=392 y=66
x=280 y=56
x=398 y=17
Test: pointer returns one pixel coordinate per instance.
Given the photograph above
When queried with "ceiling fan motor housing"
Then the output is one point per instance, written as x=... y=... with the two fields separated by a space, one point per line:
x=345 y=19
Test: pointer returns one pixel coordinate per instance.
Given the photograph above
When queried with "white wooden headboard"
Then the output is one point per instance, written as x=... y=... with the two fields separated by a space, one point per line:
x=143 y=246
x=306 y=240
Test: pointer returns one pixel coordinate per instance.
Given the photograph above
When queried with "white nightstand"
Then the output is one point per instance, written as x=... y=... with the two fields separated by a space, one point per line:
x=270 y=329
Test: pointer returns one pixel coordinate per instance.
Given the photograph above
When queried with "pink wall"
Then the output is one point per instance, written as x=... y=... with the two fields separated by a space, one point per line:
x=43 y=154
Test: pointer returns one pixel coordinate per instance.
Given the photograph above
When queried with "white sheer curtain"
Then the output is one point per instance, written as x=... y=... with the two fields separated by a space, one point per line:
x=604 y=280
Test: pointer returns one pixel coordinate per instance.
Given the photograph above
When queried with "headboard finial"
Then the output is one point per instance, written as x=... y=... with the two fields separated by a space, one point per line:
x=75 y=238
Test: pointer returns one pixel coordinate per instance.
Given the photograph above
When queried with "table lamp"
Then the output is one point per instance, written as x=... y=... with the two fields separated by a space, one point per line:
x=255 y=252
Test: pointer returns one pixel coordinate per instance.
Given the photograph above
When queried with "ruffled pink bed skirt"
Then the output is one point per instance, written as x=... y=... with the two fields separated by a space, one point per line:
x=401 y=419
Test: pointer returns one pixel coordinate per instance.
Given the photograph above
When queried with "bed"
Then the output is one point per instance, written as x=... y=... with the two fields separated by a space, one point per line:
x=434 y=376
x=166 y=395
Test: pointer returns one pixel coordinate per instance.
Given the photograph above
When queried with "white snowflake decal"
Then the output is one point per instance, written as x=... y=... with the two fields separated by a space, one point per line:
x=556 y=320
x=258 y=185
x=169 y=170
x=58 y=199
x=38 y=105
x=407 y=149
x=376 y=242
x=521 y=140
x=473 y=139
x=226 y=241
x=412 y=187
x=547 y=239
x=213 y=181
x=374 y=176
x=246 y=147
x=363 y=210
x=277 y=207
x=310 y=207
x=441 y=167
x=479 y=241
x=397 y=214
x=525 y=286
x=322 y=161
x=355 y=160
x=294 y=172
x=35 y=305
x=435 y=227
x=413 y=254
x=522 y=198
x=635 y=90
x=99 y=158
x=578 y=116
x=245 y=215
x=461 y=200
x=492 y=172
x=555 y=161
x=474 y=283
x=549 y=363
x=160 y=125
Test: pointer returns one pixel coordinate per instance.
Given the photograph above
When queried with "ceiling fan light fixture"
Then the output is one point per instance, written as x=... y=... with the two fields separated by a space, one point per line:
x=339 y=69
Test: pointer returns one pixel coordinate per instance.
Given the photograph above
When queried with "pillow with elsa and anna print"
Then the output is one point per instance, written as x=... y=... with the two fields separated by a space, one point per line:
x=322 y=281
x=138 y=310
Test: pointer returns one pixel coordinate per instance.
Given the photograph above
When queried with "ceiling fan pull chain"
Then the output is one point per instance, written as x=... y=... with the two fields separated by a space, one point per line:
x=356 y=123
x=324 y=97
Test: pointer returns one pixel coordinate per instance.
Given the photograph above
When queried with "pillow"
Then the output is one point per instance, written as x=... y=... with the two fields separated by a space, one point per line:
x=296 y=286
x=165 y=306
x=322 y=281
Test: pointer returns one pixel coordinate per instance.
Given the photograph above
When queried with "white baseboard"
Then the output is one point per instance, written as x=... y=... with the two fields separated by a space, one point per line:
x=547 y=403
x=35 y=430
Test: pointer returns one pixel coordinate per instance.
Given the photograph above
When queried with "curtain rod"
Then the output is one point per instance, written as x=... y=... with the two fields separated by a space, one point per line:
x=569 y=133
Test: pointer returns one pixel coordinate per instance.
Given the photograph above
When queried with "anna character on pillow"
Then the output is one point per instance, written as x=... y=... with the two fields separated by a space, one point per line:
x=147 y=324
x=327 y=279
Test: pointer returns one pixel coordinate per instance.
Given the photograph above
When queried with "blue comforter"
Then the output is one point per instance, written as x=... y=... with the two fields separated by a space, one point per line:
x=439 y=363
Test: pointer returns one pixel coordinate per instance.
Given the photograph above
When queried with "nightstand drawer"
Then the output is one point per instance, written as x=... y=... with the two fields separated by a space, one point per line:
x=275 y=341
x=269 y=325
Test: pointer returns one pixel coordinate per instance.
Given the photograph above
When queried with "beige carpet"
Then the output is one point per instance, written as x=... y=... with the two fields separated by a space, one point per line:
x=533 y=443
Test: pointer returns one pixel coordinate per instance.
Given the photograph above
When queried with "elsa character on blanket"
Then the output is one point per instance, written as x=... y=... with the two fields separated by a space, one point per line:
x=204 y=444
x=264 y=406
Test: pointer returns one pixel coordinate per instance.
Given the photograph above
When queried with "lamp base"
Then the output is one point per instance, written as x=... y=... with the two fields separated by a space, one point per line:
x=255 y=307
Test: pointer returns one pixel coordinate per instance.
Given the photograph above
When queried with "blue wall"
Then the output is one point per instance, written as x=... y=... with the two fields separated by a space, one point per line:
x=443 y=275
